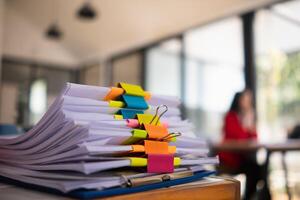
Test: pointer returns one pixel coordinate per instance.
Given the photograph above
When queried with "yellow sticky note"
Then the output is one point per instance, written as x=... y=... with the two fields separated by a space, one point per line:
x=147 y=118
x=116 y=104
x=177 y=161
x=138 y=162
x=137 y=135
x=118 y=117
x=130 y=89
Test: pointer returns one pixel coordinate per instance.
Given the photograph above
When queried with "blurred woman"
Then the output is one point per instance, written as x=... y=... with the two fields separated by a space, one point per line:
x=239 y=124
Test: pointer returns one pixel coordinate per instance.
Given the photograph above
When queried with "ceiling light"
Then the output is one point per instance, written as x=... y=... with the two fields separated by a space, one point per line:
x=87 y=12
x=54 y=32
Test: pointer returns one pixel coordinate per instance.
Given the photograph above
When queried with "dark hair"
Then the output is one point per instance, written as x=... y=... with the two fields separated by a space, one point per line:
x=235 y=105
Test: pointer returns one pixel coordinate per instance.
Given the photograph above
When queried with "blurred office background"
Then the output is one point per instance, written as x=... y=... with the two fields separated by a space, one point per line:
x=202 y=51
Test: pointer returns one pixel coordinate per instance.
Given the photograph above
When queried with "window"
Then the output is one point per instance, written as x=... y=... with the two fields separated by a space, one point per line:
x=27 y=81
x=163 y=68
x=214 y=72
x=37 y=100
x=278 y=81
x=278 y=72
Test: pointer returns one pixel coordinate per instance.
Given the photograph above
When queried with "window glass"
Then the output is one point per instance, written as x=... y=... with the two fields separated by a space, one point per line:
x=278 y=72
x=214 y=72
x=163 y=68
x=37 y=100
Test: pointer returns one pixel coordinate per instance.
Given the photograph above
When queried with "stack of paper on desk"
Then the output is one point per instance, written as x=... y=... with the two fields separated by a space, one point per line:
x=90 y=135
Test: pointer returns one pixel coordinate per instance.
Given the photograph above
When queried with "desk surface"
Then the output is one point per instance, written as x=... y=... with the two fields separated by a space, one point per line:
x=241 y=146
x=208 y=189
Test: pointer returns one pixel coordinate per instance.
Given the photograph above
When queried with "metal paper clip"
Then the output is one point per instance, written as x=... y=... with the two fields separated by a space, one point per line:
x=170 y=136
x=159 y=116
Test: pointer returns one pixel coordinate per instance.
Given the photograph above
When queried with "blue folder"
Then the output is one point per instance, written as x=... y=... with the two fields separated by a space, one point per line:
x=91 y=194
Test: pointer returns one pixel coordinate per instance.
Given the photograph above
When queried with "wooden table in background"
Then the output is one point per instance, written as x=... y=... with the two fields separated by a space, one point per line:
x=214 y=188
x=246 y=147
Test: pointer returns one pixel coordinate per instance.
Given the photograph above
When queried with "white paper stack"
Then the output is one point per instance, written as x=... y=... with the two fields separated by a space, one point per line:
x=79 y=143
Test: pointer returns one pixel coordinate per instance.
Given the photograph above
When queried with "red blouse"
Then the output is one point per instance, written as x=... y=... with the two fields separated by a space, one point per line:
x=233 y=130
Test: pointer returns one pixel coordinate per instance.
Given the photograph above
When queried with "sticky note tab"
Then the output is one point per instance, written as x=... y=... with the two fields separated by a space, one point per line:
x=129 y=113
x=156 y=132
x=165 y=124
x=137 y=148
x=138 y=162
x=172 y=149
x=114 y=93
x=177 y=161
x=159 y=163
x=137 y=135
x=146 y=118
x=147 y=95
x=135 y=102
x=118 y=117
x=156 y=147
x=130 y=89
x=132 y=123
x=116 y=104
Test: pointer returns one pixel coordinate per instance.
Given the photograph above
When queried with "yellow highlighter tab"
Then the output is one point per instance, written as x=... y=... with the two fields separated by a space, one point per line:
x=142 y=162
x=147 y=118
x=118 y=117
x=116 y=104
x=130 y=89
x=177 y=161
x=138 y=162
x=137 y=135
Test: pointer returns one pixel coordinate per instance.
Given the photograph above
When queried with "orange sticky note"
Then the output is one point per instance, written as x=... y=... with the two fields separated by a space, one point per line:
x=147 y=95
x=155 y=131
x=114 y=93
x=137 y=148
x=172 y=149
x=156 y=147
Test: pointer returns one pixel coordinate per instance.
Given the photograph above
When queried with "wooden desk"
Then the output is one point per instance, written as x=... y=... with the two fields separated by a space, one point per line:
x=246 y=147
x=214 y=188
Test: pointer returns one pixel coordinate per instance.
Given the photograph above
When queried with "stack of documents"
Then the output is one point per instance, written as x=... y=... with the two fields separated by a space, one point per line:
x=99 y=137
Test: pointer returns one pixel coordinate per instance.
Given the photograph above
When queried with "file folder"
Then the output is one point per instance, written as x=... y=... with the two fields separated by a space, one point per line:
x=81 y=194
x=133 y=186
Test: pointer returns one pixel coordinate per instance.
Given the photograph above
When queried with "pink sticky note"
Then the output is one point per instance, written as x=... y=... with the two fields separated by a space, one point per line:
x=165 y=124
x=160 y=163
x=132 y=123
